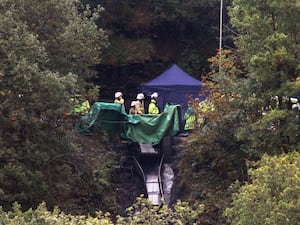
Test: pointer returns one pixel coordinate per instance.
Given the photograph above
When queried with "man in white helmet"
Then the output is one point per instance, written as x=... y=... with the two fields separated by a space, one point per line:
x=132 y=108
x=119 y=98
x=153 y=107
x=139 y=104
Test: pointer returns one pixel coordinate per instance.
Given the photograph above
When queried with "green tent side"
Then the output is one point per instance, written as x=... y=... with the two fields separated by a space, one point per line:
x=145 y=128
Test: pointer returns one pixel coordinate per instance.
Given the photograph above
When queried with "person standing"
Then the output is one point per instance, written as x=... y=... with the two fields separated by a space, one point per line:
x=139 y=104
x=119 y=98
x=153 y=107
x=81 y=106
x=190 y=118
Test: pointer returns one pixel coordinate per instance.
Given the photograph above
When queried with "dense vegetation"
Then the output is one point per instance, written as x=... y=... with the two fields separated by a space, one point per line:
x=146 y=37
x=241 y=166
x=246 y=122
x=46 y=53
x=142 y=212
x=272 y=197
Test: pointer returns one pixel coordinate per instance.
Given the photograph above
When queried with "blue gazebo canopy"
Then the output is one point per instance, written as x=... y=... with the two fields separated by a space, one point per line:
x=175 y=85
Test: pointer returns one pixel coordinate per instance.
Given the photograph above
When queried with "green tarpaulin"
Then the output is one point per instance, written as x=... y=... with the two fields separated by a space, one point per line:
x=145 y=128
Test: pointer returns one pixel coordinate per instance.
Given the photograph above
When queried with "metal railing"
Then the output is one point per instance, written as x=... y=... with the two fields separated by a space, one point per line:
x=139 y=169
x=159 y=177
x=159 y=181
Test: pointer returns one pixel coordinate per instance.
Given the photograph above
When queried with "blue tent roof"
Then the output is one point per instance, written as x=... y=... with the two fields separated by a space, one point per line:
x=174 y=76
x=173 y=85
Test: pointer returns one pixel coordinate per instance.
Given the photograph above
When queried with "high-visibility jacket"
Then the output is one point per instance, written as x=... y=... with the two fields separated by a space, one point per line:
x=82 y=108
x=190 y=119
x=153 y=108
x=85 y=107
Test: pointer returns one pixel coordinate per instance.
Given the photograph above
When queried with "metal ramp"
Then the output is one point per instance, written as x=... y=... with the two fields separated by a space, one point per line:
x=152 y=186
x=150 y=174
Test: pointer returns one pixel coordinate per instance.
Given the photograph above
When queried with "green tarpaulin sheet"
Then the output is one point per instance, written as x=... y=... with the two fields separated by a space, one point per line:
x=147 y=128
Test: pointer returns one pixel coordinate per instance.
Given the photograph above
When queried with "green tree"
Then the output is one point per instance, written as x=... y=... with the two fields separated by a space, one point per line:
x=144 y=212
x=268 y=43
x=39 y=158
x=272 y=197
x=42 y=216
x=246 y=124
x=212 y=158
x=68 y=32
x=147 y=36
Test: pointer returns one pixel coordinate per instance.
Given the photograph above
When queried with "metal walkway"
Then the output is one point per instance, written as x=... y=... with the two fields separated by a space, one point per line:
x=152 y=186
x=150 y=171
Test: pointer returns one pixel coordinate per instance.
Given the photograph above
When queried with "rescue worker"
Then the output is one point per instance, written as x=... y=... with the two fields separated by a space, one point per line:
x=153 y=107
x=80 y=106
x=132 y=108
x=139 y=104
x=190 y=118
x=85 y=107
x=119 y=98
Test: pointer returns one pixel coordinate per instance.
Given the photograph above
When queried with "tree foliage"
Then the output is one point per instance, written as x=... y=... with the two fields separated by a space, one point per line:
x=46 y=49
x=67 y=31
x=143 y=211
x=41 y=216
x=146 y=37
x=246 y=123
x=268 y=42
x=212 y=158
x=272 y=197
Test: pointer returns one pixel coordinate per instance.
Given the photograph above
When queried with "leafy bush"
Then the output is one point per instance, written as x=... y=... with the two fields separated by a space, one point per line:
x=47 y=48
x=141 y=212
x=273 y=196
x=41 y=216
x=144 y=212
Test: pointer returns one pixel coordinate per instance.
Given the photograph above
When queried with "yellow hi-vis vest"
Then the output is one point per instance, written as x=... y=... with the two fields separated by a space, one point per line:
x=82 y=108
x=153 y=108
x=190 y=119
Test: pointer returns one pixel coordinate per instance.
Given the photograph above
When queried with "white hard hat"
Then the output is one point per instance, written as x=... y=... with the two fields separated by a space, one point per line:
x=140 y=96
x=118 y=94
x=293 y=100
x=154 y=95
x=133 y=103
x=296 y=106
